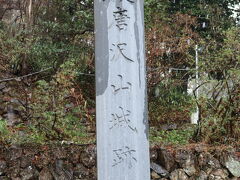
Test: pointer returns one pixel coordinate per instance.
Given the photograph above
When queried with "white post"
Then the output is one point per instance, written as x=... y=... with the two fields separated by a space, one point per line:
x=122 y=126
x=195 y=115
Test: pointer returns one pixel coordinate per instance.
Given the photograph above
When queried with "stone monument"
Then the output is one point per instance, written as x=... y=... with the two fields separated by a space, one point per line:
x=122 y=125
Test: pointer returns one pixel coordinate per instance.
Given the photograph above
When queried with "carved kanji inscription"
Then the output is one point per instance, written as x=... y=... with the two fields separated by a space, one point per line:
x=124 y=155
x=120 y=49
x=120 y=85
x=122 y=119
x=121 y=17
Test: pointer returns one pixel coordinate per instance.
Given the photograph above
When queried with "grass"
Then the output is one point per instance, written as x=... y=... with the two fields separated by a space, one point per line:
x=174 y=137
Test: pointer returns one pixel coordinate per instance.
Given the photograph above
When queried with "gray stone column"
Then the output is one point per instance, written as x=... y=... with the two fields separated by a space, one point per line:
x=122 y=126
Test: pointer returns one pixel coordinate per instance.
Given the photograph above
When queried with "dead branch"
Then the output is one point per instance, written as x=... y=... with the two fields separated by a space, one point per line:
x=25 y=76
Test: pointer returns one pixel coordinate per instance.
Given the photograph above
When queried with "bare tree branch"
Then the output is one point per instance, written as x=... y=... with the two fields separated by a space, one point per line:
x=25 y=76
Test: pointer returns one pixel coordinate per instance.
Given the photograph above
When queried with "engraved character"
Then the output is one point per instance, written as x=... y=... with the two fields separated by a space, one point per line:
x=121 y=18
x=120 y=49
x=124 y=154
x=122 y=119
x=116 y=88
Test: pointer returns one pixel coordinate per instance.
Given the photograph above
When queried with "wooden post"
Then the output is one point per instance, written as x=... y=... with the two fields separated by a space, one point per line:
x=122 y=125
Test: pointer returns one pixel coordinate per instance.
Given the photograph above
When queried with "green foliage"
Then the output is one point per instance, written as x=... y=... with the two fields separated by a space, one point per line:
x=61 y=31
x=3 y=129
x=170 y=104
x=58 y=109
x=220 y=112
x=19 y=135
x=61 y=36
x=173 y=137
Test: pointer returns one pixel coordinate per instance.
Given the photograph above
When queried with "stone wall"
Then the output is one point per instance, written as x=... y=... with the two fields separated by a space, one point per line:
x=64 y=162
x=198 y=162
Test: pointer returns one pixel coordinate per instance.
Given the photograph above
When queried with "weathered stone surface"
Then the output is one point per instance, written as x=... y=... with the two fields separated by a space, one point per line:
x=13 y=116
x=75 y=156
x=25 y=161
x=154 y=155
x=186 y=160
x=13 y=172
x=218 y=174
x=155 y=176
x=17 y=178
x=3 y=166
x=233 y=166
x=62 y=170
x=202 y=176
x=234 y=178
x=4 y=178
x=166 y=159
x=45 y=174
x=80 y=171
x=29 y=173
x=59 y=153
x=15 y=162
x=88 y=157
x=42 y=161
x=200 y=148
x=123 y=148
x=159 y=169
x=178 y=174
x=206 y=160
x=2 y=86
x=15 y=153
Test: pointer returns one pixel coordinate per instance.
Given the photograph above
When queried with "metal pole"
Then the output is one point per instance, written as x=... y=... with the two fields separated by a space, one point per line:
x=122 y=126
x=197 y=73
x=195 y=115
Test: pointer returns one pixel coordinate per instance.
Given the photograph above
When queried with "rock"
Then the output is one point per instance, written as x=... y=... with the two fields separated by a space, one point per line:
x=25 y=161
x=4 y=178
x=202 y=176
x=88 y=157
x=80 y=171
x=93 y=173
x=159 y=170
x=45 y=174
x=3 y=166
x=178 y=174
x=186 y=160
x=206 y=160
x=62 y=171
x=42 y=160
x=12 y=116
x=214 y=163
x=15 y=153
x=233 y=166
x=2 y=111
x=60 y=153
x=200 y=148
x=2 y=86
x=218 y=174
x=74 y=157
x=166 y=159
x=208 y=170
x=29 y=173
x=189 y=166
x=13 y=172
x=17 y=178
x=234 y=178
x=154 y=154
x=155 y=176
